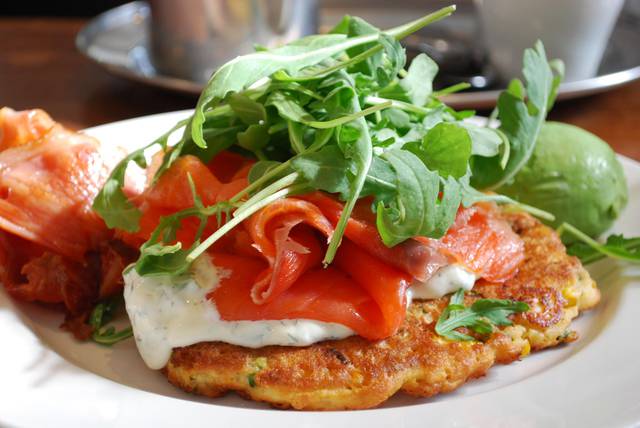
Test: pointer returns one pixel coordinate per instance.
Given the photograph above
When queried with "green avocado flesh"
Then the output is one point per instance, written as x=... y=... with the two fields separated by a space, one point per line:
x=575 y=176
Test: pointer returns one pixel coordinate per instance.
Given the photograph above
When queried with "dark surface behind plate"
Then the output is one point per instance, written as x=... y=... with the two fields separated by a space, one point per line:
x=118 y=40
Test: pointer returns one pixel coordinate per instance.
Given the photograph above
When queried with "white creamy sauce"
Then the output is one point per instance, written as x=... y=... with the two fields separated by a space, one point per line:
x=448 y=279
x=166 y=314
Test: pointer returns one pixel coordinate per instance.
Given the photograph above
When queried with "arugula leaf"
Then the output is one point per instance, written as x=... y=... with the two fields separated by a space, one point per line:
x=485 y=141
x=353 y=26
x=380 y=182
x=359 y=151
x=261 y=168
x=313 y=115
x=113 y=205
x=446 y=148
x=243 y=71
x=589 y=250
x=249 y=111
x=417 y=209
x=521 y=113
x=254 y=138
x=417 y=86
x=218 y=139
x=418 y=83
x=161 y=255
x=396 y=118
x=480 y=317
x=160 y=259
x=387 y=138
x=288 y=107
x=325 y=170
x=382 y=61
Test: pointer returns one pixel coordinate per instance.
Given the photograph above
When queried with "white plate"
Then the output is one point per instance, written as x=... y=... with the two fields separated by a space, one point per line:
x=48 y=379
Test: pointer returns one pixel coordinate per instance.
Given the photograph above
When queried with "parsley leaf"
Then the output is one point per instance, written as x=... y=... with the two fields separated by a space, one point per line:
x=480 y=317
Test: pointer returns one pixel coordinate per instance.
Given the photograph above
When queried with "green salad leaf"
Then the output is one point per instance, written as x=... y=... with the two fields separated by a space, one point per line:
x=416 y=87
x=243 y=71
x=480 y=317
x=356 y=147
x=418 y=209
x=521 y=111
x=445 y=148
x=325 y=170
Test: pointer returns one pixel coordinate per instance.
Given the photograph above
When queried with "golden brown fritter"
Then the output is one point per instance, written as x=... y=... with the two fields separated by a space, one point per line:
x=355 y=373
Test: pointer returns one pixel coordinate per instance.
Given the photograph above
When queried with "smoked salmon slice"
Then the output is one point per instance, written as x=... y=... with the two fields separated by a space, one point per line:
x=386 y=285
x=479 y=239
x=484 y=242
x=419 y=259
x=49 y=183
x=292 y=284
x=289 y=252
x=172 y=193
x=327 y=295
x=53 y=247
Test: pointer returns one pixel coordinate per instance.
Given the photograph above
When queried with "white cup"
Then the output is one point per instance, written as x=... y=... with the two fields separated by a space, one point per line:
x=576 y=31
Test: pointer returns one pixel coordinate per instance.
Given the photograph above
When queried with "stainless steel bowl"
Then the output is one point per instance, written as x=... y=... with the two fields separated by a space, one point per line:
x=191 y=38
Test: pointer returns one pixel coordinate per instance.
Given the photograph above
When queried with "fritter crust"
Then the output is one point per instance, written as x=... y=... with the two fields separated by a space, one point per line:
x=355 y=373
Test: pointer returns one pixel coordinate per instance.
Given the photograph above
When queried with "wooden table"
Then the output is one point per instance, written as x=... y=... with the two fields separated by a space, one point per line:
x=40 y=67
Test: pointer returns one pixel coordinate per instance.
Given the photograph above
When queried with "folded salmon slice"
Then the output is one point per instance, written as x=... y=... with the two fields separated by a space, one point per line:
x=420 y=259
x=47 y=186
x=479 y=239
x=283 y=233
x=484 y=242
x=386 y=285
x=53 y=247
x=289 y=252
x=327 y=295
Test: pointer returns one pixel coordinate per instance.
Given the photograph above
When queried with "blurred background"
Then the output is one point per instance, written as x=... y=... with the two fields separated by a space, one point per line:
x=93 y=7
x=177 y=45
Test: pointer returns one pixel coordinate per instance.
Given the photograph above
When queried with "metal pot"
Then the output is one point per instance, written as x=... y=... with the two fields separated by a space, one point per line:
x=191 y=38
